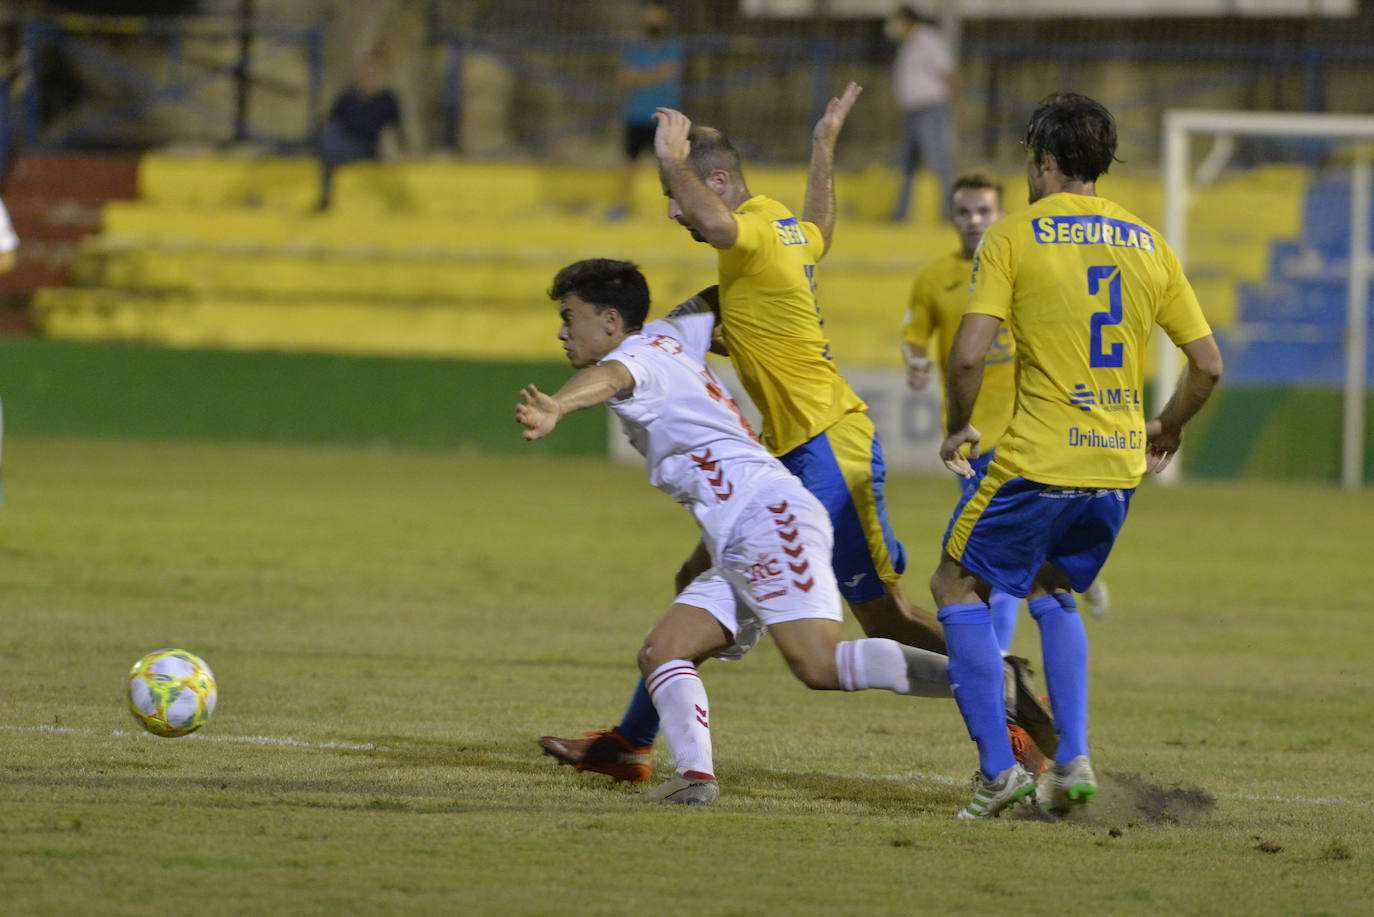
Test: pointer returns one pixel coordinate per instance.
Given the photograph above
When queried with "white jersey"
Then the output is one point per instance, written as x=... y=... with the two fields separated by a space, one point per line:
x=697 y=446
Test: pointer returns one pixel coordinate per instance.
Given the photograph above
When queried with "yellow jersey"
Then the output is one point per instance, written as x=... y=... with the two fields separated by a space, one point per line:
x=936 y=306
x=773 y=327
x=1081 y=281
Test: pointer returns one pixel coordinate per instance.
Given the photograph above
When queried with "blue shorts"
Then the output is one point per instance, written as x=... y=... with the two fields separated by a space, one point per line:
x=968 y=486
x=1010 y=527
x=843 y=467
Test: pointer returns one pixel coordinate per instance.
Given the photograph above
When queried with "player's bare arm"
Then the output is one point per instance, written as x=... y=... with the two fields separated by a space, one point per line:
x=540 y=412
x=1164 y=434
x=702 y=206
x=711 y=296
x=967 y=357
x=708 y=298
x=820 y=184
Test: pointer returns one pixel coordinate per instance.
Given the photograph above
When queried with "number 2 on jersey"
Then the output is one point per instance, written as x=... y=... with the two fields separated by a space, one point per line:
x=1114 y=356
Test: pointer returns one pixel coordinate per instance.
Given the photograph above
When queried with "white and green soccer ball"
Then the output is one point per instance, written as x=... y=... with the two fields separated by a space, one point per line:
x=172 y=693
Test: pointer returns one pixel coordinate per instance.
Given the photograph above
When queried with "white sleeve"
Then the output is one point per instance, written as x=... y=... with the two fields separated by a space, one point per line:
x=692 y=323
x=638 y=362
x=8 y=240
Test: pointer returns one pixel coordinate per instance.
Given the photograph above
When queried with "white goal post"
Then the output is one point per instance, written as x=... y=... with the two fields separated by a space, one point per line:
x=1224 y=127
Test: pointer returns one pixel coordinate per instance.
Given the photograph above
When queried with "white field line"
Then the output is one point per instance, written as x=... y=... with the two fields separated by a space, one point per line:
x=197 y=737
x=287 y=742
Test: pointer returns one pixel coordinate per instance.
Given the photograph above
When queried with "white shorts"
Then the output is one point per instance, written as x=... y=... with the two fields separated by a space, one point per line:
x=775 y=568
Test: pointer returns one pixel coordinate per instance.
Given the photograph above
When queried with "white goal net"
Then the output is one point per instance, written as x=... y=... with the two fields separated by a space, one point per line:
x=1270 y=214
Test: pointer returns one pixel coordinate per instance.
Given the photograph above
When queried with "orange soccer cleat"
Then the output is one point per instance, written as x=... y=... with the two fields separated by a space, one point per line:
x=1026 y=752
x=604 y=751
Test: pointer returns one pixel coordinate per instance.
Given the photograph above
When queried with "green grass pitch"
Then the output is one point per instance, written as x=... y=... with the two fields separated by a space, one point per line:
x=392 y=630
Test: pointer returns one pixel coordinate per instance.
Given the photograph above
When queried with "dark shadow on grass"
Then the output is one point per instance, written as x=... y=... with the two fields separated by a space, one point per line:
x=360 y=789
x=888 y=797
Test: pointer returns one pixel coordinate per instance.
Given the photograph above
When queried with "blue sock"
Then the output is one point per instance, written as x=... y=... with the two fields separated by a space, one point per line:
x=975 y=673
x=639 y=723
x=1004 y=611
x=1064 y=645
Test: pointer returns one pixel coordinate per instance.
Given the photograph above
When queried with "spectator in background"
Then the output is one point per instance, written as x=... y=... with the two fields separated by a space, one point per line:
x=922 y=77
x=651 y=73
x=9 y=242
x=9 y=256
x=357 y=119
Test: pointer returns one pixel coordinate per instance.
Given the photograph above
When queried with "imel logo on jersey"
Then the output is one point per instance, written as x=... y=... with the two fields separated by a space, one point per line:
x=1108 y=399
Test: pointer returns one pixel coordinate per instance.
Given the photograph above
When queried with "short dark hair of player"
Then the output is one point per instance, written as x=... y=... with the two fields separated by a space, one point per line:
x=1077 y=131
x=712 y=151
x=606 y=284
x=978 y=181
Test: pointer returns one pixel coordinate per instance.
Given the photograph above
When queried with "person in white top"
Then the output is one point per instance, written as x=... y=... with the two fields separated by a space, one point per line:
x=922 y=76
x=9 y=242
x=9 y=252
x=768 y=538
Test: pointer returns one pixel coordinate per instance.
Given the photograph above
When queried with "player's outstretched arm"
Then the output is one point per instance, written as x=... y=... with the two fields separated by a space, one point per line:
x=820 y=183
x=539 y=412
x=702 y=207
x=1164 y=434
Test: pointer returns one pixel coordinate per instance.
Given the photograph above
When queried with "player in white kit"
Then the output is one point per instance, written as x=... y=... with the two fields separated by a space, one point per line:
x=769 y=539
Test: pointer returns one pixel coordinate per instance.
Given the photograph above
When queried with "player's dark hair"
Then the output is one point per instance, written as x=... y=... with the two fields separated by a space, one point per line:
x=1077 y=131
x=977 y=181
x=606 y=284
x=710 y=151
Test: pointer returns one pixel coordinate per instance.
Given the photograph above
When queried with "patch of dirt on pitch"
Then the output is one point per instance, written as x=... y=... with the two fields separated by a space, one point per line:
x=1127 y=797
x=1125 y=800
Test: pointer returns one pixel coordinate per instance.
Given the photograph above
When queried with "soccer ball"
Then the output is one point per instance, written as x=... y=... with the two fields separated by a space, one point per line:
x=172 y=693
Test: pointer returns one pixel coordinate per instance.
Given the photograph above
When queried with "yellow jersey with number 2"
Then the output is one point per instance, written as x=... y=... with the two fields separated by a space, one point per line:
x=1081 y=282
x=773 y=327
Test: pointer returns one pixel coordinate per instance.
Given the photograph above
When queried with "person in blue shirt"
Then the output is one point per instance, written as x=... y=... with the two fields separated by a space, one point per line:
x=356 y=121
x=651 y=73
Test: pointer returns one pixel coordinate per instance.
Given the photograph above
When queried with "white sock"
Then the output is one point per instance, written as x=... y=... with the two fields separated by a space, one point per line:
x=683 y=712
x=877 y=662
